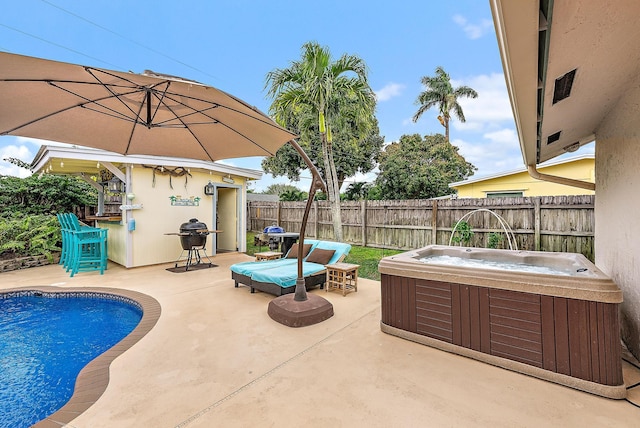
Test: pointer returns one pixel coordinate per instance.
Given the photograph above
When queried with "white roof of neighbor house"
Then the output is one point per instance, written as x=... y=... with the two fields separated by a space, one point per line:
x=83 y=159
x=262 y=197
x=520 y=170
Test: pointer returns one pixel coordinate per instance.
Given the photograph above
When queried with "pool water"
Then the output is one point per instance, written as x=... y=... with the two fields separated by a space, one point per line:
x=45 y=342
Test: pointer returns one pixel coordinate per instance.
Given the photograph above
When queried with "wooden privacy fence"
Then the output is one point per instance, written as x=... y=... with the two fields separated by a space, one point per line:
x=547 y=223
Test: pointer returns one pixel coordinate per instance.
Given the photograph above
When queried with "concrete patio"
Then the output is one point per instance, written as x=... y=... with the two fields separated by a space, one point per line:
x=215 y=358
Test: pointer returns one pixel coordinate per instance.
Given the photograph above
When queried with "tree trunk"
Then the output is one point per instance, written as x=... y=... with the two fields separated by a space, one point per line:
x=333 y=191
x=446 y=128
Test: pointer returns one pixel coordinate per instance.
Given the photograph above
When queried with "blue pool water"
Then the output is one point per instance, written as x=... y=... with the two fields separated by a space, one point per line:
x=45 y=342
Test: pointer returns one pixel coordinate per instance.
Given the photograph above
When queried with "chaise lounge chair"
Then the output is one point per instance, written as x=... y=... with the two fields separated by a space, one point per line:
x=278 y=277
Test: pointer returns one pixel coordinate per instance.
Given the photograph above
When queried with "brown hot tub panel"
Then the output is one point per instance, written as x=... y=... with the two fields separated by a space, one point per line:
x=554 y=336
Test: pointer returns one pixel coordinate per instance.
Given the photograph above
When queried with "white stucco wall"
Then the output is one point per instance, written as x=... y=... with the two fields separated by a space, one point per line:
x=149 y=243
x=617 y=206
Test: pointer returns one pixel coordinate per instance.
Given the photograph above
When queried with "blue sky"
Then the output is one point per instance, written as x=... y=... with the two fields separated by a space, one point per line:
x=233 y=45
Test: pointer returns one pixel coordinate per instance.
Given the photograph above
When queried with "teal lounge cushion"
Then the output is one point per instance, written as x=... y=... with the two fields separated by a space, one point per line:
x=286 y=276
x=247 y=268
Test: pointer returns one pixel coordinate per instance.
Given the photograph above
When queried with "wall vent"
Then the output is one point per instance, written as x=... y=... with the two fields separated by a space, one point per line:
x=553 y=137
x=563 y=85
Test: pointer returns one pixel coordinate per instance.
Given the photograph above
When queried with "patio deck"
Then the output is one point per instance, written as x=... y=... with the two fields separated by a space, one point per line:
x=215 y=358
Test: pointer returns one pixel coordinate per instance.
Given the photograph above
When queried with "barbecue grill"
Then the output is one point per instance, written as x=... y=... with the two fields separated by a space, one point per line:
x=193 y=238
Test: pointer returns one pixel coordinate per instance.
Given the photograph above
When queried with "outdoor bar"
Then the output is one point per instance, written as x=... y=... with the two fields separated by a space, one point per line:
x=556 y=320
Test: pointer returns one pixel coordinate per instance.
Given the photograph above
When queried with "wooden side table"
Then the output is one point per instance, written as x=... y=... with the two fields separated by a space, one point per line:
x=268 y=255
x=342 y=276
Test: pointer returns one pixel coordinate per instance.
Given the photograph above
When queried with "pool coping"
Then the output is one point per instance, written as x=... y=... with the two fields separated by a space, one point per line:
x=93 y=379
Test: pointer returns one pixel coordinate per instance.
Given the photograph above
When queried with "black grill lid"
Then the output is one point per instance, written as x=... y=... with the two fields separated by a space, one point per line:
x=192 y=225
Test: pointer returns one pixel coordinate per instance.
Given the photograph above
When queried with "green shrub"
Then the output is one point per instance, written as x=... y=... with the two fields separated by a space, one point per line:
x=462 y=234
x=44 y=194
x=495 y=239
x=30 y=235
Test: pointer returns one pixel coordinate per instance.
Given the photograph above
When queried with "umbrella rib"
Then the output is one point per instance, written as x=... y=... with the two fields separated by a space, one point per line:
x=262 y=118
x=178 y=117
x=160 y=99
x=188 y=129
x=133 y=129
x=266 y=120
x=83 y=105
x=115 y=115
x=108 y=88
x=97 y=101
x=191 y=113
x=246 y=138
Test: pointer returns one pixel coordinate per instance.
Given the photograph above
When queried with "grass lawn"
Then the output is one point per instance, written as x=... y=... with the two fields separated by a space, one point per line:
x=366 y=257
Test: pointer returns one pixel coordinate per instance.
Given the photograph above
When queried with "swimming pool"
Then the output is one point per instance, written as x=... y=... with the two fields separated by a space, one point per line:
x=47 y=338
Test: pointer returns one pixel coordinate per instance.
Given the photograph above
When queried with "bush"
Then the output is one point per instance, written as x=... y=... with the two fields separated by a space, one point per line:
x=28 y=223
x=44 y=194
x=30 y=235
x=462 y=234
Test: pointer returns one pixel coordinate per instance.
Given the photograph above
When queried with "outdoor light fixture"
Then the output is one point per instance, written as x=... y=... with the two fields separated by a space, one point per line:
x=114 y=185
x=209 y=189
x=572 y=147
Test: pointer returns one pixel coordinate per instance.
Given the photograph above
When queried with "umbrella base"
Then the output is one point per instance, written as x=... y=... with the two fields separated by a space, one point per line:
x=287 y=311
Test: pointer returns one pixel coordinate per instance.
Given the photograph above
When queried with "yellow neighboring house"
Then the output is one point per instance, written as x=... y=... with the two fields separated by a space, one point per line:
x=518 y=183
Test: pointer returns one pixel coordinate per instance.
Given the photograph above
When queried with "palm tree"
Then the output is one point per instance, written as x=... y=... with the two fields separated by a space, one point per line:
x=357 y=191
x=325 y=86
x=293 y=195
x=439 y=92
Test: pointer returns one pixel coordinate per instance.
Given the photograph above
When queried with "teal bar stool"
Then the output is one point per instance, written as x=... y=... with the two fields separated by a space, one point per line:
x=87 y=250
x=66 y=240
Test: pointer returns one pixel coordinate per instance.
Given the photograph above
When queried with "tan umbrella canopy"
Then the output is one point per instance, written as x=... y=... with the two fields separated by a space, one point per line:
x=130 y=113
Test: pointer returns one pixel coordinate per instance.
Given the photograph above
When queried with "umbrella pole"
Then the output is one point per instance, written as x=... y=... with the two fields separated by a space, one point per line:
x=302 y=309
x=316 y=184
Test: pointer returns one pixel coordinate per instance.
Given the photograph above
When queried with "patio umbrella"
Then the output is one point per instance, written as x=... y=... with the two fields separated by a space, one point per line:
x=149 y=114
x=130 y=113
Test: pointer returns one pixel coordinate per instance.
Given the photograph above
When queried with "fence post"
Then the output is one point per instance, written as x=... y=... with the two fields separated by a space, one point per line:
x=363 y=214
x=434 y=222
x=315 y=223
x=536 y=223
x=278 y=214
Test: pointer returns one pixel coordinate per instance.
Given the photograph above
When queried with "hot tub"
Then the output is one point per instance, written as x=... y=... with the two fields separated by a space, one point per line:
x=549 y=315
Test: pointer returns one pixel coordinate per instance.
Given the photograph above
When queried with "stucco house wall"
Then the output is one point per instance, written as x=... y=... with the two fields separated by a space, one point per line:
x=158 y=216
x=149 y=243
x=617 y=207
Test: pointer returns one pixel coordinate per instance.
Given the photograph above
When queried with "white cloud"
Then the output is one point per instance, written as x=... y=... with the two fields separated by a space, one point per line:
x=496 y=151
x=38 y=142
x=473 y=31
x=503 y=136
x=492 y=107
x=21 y=152
x=389 y=91
x=408 y=122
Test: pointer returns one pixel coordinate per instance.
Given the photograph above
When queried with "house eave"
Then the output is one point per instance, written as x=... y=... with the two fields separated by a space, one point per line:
x=91 y=157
